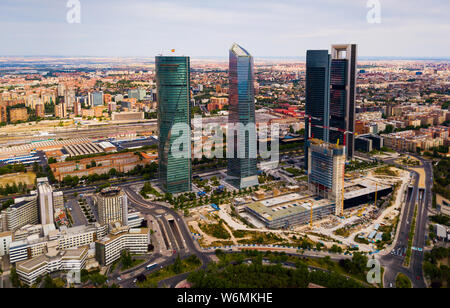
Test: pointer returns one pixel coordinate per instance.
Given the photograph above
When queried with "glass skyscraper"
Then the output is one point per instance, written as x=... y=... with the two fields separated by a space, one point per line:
x=173 y=85
x=242 y=169
x=317 y=96
x=343 y=93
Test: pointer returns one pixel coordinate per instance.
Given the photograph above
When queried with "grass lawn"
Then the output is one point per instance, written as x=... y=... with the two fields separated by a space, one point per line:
x=26 y=178
x=403 y=282
x=179 y=267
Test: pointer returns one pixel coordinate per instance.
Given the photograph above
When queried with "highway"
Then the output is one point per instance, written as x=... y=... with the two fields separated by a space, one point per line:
x=394 y=261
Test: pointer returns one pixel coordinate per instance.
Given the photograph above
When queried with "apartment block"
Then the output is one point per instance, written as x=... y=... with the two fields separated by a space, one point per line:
x=122 y=162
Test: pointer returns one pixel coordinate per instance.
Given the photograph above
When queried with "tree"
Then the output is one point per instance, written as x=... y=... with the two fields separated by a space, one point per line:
x=126 y=259
x=177 y=266
x=14 y=277
x=48 y=283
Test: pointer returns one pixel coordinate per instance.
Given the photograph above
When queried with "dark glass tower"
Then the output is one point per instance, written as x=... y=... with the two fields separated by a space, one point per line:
x=343 y=93
x=317 y=95
x=172 y=80
x=242 y=169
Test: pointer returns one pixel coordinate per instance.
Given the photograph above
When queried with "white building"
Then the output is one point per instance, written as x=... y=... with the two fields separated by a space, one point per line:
x=112 y=206
x=67 y=238
x=45 y=194
x=135 y=219
x=109 y=249
x=23 y=212
x=69 y=260
x=5 y=241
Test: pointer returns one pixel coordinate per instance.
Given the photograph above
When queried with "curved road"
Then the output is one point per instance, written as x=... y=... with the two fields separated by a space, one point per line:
x=393 y=262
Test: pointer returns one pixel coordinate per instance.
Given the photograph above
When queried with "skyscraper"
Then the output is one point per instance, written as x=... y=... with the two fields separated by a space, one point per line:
x=173 y=84
x=317 y=96
x=326 y=170
x=343 y=94
x=45 y=194
x=242 y=169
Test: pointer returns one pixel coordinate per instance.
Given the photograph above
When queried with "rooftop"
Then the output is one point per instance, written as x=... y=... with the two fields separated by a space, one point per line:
x=291 y=204
x=239 y=51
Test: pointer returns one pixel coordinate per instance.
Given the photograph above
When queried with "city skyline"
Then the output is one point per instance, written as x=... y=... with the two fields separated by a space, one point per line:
x=282 y=29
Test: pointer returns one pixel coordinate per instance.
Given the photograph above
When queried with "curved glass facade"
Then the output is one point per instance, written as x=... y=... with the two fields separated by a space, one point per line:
x=172 y=79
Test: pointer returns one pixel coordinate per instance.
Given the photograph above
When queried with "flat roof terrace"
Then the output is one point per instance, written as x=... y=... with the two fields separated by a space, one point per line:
x=287 y=205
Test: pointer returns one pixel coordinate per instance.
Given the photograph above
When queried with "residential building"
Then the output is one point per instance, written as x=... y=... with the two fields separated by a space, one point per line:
x=112 y=204
x=122 y=162
x=40 y=110
x=18 y=114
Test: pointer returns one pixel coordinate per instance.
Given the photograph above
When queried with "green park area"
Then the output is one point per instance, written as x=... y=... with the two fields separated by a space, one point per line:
x=254 y=269
x=403 y=282
x=177 y=268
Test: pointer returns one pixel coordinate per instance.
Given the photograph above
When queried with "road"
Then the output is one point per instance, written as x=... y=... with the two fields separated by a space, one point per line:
x=394 y=261
x=184 y=238
x=191 y=247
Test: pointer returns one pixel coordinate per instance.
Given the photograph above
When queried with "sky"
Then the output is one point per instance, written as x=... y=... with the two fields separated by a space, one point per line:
x=208 y=28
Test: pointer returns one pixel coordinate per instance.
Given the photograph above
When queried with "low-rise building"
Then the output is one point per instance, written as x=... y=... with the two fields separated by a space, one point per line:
x=24 y=212
x=18 y=114
x=127 y=116
x=121 y=238
x=70 y=260
x=122 y=162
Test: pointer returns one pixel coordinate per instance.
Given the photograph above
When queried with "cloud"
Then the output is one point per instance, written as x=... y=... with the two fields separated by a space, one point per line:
x=208 y=28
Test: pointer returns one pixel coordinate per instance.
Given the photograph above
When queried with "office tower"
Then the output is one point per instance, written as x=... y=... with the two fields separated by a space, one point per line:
x=326 y=170
x=45 y=194
x=95 y=99
x=173 y=84
x=112 y=206
x=343 y=94
x=317 y=96
x=242 y=169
